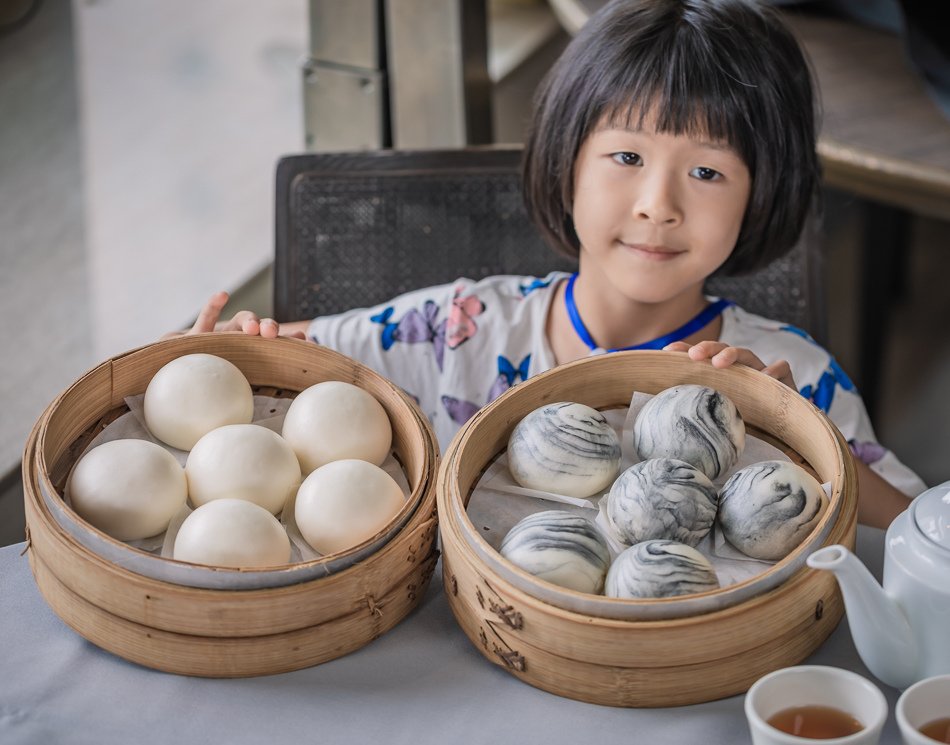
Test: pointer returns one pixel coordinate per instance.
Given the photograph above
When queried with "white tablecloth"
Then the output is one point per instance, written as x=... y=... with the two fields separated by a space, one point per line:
x=422 y=682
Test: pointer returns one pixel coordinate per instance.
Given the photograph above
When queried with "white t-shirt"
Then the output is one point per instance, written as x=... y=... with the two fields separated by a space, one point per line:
x=458 y=346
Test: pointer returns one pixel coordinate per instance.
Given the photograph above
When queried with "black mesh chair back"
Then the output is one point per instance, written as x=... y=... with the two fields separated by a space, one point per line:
x=356 y=229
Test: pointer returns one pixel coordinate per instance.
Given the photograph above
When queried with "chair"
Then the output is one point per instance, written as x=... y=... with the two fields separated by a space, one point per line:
x=355 y=229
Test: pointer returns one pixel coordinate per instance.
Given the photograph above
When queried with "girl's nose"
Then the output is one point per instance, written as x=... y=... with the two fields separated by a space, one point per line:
x=656 y=201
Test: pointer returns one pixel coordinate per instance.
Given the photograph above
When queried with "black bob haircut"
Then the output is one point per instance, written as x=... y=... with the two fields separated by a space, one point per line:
x=729 y=70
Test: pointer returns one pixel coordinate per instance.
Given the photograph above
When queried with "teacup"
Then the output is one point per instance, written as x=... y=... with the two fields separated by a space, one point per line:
x=924 y=702
x=810 y=686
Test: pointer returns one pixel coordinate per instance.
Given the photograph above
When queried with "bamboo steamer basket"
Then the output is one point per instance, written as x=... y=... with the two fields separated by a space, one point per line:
x=643 y=663
x=223 y=632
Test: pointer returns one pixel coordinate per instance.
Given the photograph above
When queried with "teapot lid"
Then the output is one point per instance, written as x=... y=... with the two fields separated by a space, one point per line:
x=931 y=511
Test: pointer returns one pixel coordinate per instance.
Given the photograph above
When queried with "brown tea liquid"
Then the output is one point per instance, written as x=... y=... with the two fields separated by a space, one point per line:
x=815 y=722
x=938 y=730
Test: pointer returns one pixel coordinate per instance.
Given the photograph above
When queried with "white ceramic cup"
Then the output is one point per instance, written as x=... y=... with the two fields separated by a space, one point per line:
x=923 y=702
x=815 y=685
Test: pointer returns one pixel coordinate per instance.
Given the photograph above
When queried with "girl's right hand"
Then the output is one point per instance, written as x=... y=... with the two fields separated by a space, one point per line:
x=245 y=321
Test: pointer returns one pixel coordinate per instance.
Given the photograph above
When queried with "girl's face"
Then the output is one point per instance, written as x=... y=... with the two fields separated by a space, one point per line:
x=656 y=213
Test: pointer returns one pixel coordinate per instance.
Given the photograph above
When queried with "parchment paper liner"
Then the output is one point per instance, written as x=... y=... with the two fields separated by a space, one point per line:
x=497 y=503
x=157 y=564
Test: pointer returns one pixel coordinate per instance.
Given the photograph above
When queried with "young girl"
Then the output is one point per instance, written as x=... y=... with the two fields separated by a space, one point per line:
x=672 y=140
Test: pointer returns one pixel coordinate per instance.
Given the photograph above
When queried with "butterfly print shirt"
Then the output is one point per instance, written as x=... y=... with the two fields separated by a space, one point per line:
x=458 y=346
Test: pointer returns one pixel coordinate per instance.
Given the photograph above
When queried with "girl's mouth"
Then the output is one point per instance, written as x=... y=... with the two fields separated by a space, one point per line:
x=651 y=252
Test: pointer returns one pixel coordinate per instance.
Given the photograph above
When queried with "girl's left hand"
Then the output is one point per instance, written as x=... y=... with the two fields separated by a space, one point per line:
x=722 y=355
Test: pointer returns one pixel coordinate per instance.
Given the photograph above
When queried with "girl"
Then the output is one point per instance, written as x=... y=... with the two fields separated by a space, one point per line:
x=673 y=139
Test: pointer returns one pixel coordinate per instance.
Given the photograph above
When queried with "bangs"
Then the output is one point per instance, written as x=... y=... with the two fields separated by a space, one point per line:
x=681 y=90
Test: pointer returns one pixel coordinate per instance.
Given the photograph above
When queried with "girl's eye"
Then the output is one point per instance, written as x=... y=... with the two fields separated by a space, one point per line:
x=705 y=174
x=627 y=159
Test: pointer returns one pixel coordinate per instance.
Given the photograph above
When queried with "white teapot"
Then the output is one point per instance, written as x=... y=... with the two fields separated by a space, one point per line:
x=902 y=632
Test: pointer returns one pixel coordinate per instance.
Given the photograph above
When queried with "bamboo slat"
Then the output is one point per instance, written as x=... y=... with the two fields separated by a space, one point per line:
x=231 y=657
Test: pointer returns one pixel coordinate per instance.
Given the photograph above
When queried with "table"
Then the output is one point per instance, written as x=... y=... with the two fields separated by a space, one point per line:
x=422 y=682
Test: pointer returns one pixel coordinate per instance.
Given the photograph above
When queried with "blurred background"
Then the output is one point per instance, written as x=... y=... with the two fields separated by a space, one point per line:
x=138 y=141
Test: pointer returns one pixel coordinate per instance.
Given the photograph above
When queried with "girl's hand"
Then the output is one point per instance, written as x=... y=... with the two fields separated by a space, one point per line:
x=722 y=355
x=245 y=321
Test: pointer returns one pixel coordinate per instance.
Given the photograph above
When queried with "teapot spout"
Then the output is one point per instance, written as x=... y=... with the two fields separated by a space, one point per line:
x=880 y=630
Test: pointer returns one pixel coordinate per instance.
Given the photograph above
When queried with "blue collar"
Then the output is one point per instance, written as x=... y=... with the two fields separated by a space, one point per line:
x=692 y=326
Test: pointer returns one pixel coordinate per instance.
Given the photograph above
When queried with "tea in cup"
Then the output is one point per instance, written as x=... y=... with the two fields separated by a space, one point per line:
x=815 y=703
x=923 y=712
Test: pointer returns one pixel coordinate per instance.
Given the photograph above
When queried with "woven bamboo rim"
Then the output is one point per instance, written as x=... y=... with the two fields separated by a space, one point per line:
x=225 y=633
x=643 y=663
